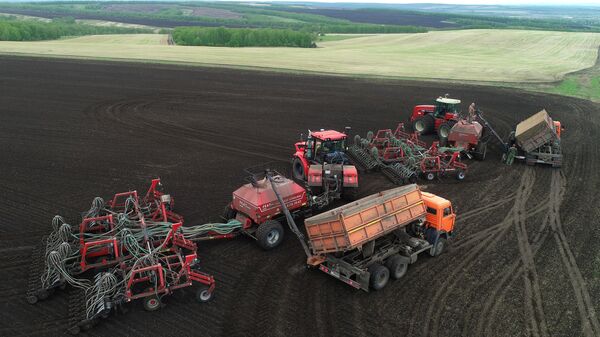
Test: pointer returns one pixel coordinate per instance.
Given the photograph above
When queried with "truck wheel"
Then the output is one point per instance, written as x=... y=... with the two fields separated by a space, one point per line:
x=298 y=169
x=439 y=247
x=424 y=125
x=350 y=193
x=480 y=151
x=397 y=266
x=202 y=294
x=444 y=130
x=151 y=303
x=380 y=276
x=229 y=213
x=269 y=234
x=460 y=175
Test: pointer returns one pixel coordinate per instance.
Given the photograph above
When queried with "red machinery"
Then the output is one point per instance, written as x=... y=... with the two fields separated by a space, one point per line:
x=255 y=205
x=472 y=136
x=439 y=117
x=436 y=164
x=123 y=250
x=323 y=151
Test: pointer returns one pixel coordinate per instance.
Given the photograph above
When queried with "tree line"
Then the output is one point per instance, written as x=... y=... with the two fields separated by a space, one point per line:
x=12 y=29
x=242 y=37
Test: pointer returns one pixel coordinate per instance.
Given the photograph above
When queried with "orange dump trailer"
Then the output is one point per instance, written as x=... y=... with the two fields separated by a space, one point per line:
x=373 y=239
x=355 y=224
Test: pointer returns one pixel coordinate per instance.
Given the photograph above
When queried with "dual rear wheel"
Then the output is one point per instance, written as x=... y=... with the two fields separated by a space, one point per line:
x=395 y=267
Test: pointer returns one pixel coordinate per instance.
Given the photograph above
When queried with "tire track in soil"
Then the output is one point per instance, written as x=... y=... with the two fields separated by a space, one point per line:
x=512 y=272
x=135 y=114
x=533 y=296
x=587 y=312
x=435 y=307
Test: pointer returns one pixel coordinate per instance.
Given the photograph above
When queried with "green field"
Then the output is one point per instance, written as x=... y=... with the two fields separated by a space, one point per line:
x=471 y=55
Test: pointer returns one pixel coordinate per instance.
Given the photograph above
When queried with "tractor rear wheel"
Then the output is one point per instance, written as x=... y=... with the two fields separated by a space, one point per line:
x=269 y=234
x=397 y=266
x=444 y=130
x=380 y=276
x=480 y=151
x=229 y=213
x=298 y=169
x=424 y=125
x=350 y=193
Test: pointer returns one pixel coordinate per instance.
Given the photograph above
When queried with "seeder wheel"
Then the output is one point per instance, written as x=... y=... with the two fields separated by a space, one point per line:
x=203 y=295
x=151 y=303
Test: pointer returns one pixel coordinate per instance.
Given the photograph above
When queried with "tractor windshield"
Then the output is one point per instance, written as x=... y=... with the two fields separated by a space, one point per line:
x=442 y=108
x=329 y=146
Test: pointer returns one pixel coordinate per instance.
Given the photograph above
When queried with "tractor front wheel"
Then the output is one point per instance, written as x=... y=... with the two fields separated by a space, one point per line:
x=298 y=169
x=269 y=234
x=424 y=125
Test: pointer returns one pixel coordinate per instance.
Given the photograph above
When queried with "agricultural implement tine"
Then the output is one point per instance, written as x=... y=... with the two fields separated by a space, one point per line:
x=36 y=269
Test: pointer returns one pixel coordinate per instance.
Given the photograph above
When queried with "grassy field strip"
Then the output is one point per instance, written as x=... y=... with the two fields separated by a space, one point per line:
x=473 y=55
x=25 y=17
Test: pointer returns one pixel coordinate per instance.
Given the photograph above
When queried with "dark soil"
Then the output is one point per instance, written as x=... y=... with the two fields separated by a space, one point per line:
x=123 y=18
x=385 y=17
x=525 y=261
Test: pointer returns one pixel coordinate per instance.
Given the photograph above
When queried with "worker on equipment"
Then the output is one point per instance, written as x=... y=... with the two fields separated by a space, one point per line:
x=472 y=112
x=511 y=154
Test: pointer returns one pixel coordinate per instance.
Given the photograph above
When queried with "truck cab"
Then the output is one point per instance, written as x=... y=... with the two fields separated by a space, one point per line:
x=440 y=217
x=325 y=150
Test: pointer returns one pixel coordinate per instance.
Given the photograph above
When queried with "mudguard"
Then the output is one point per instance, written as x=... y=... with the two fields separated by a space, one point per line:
x=350 y=176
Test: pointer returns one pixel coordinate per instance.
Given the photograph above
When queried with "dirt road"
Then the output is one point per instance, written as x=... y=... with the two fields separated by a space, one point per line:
x=525 y=263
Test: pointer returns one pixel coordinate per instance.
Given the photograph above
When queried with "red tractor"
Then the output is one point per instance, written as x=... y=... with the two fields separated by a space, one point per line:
x=439 y=117
x=322 y=154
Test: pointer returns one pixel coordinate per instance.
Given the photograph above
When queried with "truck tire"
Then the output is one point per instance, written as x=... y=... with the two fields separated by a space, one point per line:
x=298 y=169
x=480 y=151
x=439 y=247
x=397 y=266
x=202 y=294
x=380 y=276
x=269 y=234
x=424 y=125
x=229 y=213
x=444 y=130
x=350 y=193
x=151 y=303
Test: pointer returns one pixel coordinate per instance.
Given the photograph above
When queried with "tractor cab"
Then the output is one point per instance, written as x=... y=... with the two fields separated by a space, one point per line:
x=323 y=154
x=326 y=146
x=445 y=105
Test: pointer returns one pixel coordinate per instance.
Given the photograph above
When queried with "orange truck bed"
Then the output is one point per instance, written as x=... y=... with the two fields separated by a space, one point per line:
x=354 y=224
